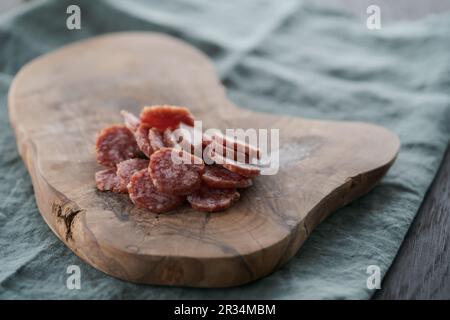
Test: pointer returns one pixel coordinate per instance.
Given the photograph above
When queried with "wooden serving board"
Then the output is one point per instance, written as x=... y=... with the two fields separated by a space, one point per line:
x=60 y=101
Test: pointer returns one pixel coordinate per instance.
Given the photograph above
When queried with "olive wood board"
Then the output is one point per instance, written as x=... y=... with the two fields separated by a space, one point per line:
x=59 y=102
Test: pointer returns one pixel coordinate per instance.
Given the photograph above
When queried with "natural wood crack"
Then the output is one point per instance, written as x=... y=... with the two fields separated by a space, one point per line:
x=67 y=212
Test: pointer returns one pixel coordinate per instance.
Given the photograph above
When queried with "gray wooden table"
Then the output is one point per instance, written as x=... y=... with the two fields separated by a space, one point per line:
x=421 y=269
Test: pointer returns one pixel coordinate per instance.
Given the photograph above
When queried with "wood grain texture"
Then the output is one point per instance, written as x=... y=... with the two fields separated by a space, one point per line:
x=61 y=100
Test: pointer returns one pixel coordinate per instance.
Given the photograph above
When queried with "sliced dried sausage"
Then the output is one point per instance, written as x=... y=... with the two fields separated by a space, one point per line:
x=169 y=139
x=143 y=194
x=127 y=168
x=115 y=144
x=176 y=171
x=131 y=121
x=218 y=177
x=192 y=139
x=177 y=152
x=246 y=170
x=166 y=117
x=141 y=135
x=212 y=200
x=107 y=180
x=228 y=153
x=188 y=138
x=156 y=139
x=239 y=146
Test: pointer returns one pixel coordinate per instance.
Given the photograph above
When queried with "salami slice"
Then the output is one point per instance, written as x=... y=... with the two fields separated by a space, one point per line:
x=143 y=194
x=246 y=170
x=187 y=137
x=107 y=180
x=141 y=135
x=166 y=117
x=179 y=177
x=115 y=144
x=127 y=168
x=169 y=139
x=228 y=153
x=131 y=121
x=156 y=139
x=239 y=146
x=211 y=200
x=219 y=177
x=192 y=139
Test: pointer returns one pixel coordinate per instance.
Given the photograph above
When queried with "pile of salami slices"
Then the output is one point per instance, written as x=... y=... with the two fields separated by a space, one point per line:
x=139 y=160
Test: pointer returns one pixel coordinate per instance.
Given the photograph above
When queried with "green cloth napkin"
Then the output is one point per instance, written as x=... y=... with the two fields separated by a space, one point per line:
x=285 y=57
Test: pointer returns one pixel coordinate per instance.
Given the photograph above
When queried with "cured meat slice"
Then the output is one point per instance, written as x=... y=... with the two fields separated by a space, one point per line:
x=212 y=200
x=186 y=137
x=115 y=144
x=192 y=139
x=238 y=146
x=177 y=152
x=166 y=117
x=141 y=136
x=169 y=138
x=228 y=153
x=156 y=139
x=219 y=177
x=246 y=170
x=107 y=180
x=176 y=171
x=127 y=168
x=131 y=121
x=143 y=194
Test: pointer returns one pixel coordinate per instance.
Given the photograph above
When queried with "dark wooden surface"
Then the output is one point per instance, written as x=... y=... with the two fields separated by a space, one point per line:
x=421 y=268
